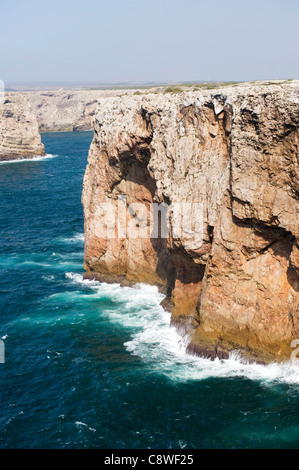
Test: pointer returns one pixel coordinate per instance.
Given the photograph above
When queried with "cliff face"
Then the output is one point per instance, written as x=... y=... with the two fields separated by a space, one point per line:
x=67 y=110
x=63 y=110
x=19 y=135
x=234 y=153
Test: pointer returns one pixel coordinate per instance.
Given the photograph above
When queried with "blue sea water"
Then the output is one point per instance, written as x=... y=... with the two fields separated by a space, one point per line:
x=90 y=365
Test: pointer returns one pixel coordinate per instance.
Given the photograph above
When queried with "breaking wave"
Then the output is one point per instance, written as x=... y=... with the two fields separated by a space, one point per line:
x=77 y=238
x=36 y=158
x=162 y=348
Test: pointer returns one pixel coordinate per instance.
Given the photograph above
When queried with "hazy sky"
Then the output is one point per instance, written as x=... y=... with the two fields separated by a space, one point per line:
x=148 y=40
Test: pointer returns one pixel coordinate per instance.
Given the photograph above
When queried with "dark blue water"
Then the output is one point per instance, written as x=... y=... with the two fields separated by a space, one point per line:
x=97 y=366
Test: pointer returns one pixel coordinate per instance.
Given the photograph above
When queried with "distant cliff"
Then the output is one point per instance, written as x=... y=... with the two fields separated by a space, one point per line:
x=235 y=151
x=19 y=135
x=67 y=110
x=24 y=114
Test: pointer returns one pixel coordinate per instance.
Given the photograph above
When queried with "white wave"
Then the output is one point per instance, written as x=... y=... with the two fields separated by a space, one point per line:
x=140 y=296
x=79 y=424
x=67 y=265
x=16 y=261
x=159 y=343
x=78 y=279
x=34 y=263
x=74 y=254
x=77 y=238
x=163 y=349
x=10 y=420
x=36 y=158
x=56 y=261
x=162 y=343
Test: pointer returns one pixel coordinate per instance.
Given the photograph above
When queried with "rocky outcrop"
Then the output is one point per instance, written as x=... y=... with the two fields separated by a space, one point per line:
x=233 y=152
x=68 y=110
x=19 y=135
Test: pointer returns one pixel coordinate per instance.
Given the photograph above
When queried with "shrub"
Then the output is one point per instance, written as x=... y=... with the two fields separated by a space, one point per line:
x=173 y=89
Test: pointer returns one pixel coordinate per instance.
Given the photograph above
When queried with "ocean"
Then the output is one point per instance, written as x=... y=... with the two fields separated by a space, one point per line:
x=90 y=365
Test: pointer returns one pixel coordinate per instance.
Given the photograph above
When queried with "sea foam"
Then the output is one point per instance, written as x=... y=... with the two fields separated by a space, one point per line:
x=31 y=159
x=163 y=349
x=77 y=238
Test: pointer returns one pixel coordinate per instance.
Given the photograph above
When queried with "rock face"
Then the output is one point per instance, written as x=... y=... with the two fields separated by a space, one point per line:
x=19 y=135
x=234 y=153
x=67 y=110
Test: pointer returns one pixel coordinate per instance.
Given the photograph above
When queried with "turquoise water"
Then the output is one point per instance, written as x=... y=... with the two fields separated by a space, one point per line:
x=91 y=365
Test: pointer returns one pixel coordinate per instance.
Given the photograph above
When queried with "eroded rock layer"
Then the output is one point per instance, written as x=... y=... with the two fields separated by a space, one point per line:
x=235 y=152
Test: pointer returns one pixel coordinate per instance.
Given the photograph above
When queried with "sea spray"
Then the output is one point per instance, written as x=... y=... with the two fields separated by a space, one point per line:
x=37 y=158
x=159 y=344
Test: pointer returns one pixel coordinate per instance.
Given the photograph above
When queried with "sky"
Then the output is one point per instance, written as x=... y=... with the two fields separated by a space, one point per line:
x=148 y=40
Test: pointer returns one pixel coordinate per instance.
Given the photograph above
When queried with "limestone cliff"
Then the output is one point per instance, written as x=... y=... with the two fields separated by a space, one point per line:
x=234 y=151
x=19 y=135
x=68 y=110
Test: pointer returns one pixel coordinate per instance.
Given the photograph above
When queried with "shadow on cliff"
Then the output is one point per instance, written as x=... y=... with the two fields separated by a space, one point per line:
x=174 y=264
x=293 y=278
x=279 y=241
